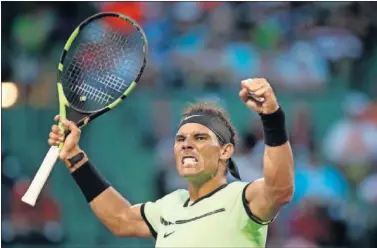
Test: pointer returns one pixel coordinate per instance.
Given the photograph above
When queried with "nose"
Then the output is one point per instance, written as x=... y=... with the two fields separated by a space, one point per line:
x=187 y=144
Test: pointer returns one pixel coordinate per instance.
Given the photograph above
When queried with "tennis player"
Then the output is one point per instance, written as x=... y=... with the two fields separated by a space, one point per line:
x=210 y=212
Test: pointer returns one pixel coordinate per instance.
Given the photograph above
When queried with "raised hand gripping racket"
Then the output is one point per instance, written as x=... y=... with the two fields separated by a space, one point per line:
x=100 y=65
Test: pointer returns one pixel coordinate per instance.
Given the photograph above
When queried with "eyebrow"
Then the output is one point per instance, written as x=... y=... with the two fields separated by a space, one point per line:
x=194 y=134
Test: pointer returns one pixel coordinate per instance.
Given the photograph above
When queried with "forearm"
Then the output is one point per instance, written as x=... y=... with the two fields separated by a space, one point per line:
x=108 y=205
x=278 y=159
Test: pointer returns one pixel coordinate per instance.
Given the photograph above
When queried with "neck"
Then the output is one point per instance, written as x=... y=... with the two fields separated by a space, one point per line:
x=198 y=190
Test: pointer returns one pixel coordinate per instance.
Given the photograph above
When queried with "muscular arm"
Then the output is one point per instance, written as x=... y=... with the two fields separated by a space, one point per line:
x=268 y=195
x=116 y=213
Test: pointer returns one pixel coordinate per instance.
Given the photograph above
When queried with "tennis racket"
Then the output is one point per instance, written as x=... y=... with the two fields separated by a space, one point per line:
x=100 y=65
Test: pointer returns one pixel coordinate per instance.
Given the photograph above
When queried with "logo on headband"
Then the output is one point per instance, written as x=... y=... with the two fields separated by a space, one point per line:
x=188 y=117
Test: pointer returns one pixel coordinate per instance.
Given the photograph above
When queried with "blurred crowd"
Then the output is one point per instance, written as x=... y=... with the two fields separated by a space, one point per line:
x=300 y=47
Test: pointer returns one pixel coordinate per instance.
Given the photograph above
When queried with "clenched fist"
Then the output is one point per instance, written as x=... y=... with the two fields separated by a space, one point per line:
x=258 y=95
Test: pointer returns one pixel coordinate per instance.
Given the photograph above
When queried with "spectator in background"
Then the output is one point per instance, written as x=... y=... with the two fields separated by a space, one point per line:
x=158 y=29
x=20 y=222
x=311 y=223
x=249 y=170
x=302 y=131
x=250 y=158
x=366 y=189
x=314 y=177
x=297 y=64
x=210 y=62
x=203 y=57
x=186 y=36
x=30 y=32
x=36 y=225
x=370 y=113
x=318 y=180
x=131 y=9
x=166 y=179
x=299 y=242
x=333 y=36
x=368 y=194
x=320 y=188
x=242 y=55
x=8 y=172
x=351 y=142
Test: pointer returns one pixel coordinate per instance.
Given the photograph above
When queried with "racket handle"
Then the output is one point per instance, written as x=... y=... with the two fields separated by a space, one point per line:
x=39 y=180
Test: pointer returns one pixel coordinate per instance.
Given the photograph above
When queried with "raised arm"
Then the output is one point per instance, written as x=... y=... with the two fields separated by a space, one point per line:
x=111 y=208
x=266 y=196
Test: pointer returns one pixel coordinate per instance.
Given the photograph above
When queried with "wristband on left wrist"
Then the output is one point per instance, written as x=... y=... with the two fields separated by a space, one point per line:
x=72 y=161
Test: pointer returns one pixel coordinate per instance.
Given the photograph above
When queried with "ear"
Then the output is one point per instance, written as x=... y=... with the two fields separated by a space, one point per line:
x=226 y=151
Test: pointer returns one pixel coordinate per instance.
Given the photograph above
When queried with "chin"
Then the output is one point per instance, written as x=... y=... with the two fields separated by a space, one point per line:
x=196 y=177
x=189 y=173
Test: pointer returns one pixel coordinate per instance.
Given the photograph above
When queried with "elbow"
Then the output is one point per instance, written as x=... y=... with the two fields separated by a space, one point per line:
x=117 y=232
x=285 y=197
x=123 y=229
x=119 y=227
x=121 y=232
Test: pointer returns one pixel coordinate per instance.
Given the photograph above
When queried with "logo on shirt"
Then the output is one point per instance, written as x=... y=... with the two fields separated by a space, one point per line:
x=178 y=222
x=168 y=234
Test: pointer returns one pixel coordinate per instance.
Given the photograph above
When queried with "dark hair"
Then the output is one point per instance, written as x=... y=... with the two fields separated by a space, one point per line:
x=214 y=111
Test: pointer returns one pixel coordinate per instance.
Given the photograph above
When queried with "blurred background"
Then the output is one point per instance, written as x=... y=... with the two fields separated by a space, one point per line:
x=321 y=59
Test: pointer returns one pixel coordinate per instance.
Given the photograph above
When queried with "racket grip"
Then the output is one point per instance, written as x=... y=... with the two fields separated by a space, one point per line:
x=39 y=180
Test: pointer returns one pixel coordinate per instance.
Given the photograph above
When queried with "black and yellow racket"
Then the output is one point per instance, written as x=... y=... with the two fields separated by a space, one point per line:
x=100 y=65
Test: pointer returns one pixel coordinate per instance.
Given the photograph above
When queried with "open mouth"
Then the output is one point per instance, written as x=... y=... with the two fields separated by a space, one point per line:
x=189 y=160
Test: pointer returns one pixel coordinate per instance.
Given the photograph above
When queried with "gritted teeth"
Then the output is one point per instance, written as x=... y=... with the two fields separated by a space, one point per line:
x=189 y=159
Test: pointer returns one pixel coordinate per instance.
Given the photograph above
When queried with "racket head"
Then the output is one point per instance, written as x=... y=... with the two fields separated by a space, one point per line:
x=100 y=65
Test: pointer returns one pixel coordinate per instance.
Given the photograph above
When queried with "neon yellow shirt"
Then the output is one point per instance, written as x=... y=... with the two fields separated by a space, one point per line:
x=219 y=219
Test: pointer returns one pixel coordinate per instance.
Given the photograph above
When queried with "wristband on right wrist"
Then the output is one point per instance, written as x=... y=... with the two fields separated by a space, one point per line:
x=275 y=133
x=90 y=181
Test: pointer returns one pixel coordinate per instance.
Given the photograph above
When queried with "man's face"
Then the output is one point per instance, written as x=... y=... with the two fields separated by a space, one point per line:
x=197 y=152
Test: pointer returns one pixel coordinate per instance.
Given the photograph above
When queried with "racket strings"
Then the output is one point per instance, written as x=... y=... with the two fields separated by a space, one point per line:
x=91 y=92
x=101 y=64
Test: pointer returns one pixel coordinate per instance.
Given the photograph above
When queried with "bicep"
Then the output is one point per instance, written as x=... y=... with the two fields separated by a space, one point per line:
x=259 y=205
